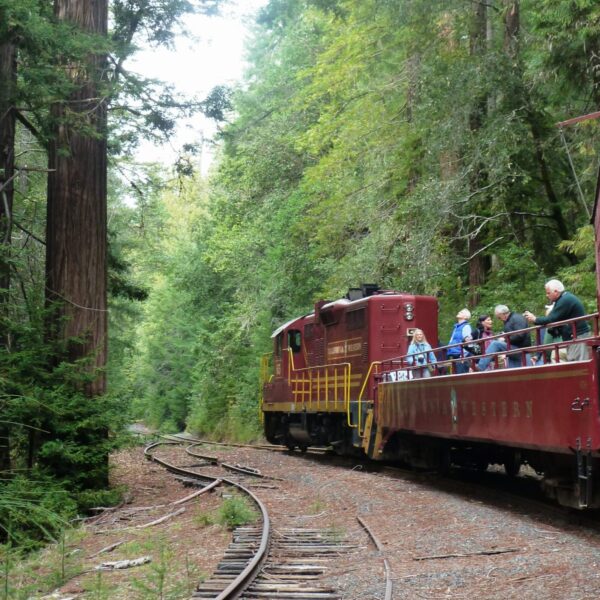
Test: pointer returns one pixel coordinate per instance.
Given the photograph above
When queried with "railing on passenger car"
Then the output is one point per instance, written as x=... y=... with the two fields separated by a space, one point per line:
x=399 y=368
x=321 y=385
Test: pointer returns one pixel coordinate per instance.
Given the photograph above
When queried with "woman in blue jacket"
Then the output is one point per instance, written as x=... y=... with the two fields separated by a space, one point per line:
x=419 y=353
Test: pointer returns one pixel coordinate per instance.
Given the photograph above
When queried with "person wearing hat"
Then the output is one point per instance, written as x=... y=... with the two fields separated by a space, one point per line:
x=462 y=332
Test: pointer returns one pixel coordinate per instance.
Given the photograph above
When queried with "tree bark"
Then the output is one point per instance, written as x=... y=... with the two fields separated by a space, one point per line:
x=512 y=26
x=8 y=76
x=76 y=218
x=478 y=45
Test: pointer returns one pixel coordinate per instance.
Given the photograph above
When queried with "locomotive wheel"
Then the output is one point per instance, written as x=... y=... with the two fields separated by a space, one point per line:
x=512 y=464
x=445 y=461
x=303 y=448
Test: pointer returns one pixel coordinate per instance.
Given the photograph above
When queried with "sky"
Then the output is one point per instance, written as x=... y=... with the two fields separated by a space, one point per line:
x=214 y=55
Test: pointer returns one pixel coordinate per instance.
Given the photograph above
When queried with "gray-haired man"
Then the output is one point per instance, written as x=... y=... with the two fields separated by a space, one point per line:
x=512 y=322
x=566 y=306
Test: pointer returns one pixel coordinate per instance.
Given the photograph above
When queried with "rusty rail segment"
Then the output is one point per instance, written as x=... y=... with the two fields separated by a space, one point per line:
x=235 y=588
x=386 y=564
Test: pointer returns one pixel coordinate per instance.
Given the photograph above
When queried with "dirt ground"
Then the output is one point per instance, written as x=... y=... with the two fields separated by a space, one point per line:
x=439 y=544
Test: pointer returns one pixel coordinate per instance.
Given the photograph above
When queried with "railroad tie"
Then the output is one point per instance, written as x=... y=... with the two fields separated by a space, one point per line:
x=297 y=560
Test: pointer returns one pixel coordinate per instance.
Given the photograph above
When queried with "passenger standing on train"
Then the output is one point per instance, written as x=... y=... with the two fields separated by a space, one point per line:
x=512 y=322
x=419 y=353
x=484 y=330
x=550 y=336
x=462 y=332
x=566 y=306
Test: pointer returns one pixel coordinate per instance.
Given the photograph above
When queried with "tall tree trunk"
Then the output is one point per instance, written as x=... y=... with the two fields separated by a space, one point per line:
x=8 y=71
x=512 y=26
x=8 y=66
x=76 y=232
x=76 y=219
x=478 y=44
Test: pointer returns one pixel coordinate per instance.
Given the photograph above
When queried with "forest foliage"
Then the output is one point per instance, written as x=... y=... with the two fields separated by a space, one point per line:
x=410 y=144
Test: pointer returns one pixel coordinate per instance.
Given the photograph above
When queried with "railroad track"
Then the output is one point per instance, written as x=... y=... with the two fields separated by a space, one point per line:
x=237 y=580
x=286 y=564
x=296 y=562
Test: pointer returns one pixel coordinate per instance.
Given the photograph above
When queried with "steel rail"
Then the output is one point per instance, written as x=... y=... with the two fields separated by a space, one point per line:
x=236 y=588
x=386 y=564
x=235 y=468
x=180 y=439
x=193 y=440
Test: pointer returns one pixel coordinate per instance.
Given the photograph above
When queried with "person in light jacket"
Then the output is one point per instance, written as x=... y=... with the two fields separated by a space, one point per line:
x=420 y=354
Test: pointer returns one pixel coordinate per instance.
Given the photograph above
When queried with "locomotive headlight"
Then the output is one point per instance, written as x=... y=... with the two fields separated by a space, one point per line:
x=408 y=311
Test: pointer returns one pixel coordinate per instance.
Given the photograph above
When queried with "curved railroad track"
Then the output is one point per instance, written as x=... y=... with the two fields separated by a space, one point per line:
x=260 y=562
x=244 y=570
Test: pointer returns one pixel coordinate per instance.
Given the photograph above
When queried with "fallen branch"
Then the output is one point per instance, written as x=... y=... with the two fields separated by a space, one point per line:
x=107 y=549
x=156 y=522
x=458 y=555
x=134 y=509
x=123 y=564
x=532 y=576
x=210 y=486
x=161 y=520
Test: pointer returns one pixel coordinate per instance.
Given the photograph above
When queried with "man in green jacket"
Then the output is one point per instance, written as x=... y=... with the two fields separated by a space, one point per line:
x=566 y=306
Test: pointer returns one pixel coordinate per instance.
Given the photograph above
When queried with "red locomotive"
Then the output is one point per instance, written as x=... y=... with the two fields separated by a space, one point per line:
x=339 y=376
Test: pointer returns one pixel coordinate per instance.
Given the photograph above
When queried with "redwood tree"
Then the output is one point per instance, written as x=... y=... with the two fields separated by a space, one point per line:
x=76 y=217
x=7 y=140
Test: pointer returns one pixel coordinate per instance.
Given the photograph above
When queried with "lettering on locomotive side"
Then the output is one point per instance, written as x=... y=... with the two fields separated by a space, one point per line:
x=344 y=348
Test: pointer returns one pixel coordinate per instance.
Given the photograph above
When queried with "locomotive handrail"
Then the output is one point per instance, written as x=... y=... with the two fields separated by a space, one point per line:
x=265 y=368
x=265 y=377
x=346 y=379
x=375 y=364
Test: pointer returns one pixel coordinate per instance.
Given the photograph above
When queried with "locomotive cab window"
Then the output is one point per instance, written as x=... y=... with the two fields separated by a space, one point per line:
x=294 y=340
x=278 y=344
